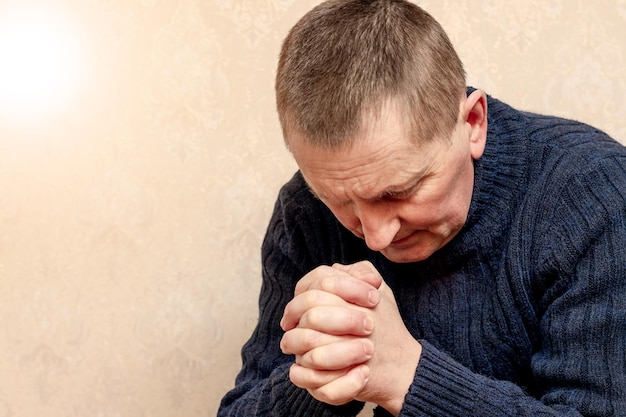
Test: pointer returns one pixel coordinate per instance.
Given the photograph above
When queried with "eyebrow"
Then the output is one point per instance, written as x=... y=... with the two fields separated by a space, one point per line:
x=393 y=191
x=397 y=191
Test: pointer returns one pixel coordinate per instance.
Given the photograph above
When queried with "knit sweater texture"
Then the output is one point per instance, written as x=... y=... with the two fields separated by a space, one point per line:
x=523 y=313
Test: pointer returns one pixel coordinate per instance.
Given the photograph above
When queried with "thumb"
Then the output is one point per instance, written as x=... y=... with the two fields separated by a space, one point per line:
x=363 y=270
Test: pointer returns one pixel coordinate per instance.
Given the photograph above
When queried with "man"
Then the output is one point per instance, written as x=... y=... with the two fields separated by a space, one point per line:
x=439 y=253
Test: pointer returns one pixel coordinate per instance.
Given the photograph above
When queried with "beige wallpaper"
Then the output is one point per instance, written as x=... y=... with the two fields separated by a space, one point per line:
x=131 y=213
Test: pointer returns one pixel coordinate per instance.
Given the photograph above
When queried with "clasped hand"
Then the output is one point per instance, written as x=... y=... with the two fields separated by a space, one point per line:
x=348 y=338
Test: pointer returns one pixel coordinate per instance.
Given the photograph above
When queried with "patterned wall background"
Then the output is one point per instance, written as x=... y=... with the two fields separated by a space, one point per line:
x=131 y=217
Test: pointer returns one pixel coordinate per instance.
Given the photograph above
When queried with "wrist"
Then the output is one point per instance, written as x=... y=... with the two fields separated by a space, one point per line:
x=399 y=381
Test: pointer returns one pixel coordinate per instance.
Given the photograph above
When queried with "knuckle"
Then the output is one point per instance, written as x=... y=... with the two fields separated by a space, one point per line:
x=367 y=264
x=301 y=285
x=284 y=345
x=328 y=284
x=297 y=376
x=316 y=358
x=287 y=344
x=288 y=310
x=313 y=317
x=319 y=273
x=305 y=320
x=313 y=297
x=365 y=268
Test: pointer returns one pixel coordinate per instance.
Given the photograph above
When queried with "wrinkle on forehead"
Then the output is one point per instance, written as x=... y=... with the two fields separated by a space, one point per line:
x=382 y=158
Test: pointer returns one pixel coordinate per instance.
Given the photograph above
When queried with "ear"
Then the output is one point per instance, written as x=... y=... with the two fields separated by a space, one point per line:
x=474 y=114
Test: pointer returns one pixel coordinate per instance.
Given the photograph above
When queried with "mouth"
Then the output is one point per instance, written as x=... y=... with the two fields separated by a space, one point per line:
x=404 y=241
x=398 y=243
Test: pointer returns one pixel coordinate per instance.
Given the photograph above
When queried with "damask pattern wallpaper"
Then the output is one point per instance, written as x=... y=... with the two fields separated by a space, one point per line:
x=131 y=217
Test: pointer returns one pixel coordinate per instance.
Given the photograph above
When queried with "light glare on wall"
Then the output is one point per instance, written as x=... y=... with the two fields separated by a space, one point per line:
x=40 y=62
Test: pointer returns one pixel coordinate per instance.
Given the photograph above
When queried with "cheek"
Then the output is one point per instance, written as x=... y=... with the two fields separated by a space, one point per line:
x=445 y=200
x=422 y=216
x=443 y=209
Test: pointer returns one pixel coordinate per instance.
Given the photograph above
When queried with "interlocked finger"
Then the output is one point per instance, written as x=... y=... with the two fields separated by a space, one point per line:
x=344 y=388
x=340 y=283
x=298 y=341
x=345 y=352
x=335 y=320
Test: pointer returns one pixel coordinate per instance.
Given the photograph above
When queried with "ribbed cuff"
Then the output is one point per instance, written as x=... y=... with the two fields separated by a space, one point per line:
x=442 y=387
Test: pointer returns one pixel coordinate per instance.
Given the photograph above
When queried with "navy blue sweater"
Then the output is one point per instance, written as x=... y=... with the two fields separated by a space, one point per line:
x=523 y=313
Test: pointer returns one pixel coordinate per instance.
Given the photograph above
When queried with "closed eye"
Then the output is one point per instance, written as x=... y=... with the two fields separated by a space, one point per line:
x=395 y=195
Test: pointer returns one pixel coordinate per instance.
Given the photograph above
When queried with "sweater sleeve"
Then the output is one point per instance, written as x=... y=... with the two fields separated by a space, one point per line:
x=579 y=295
x=290 y=249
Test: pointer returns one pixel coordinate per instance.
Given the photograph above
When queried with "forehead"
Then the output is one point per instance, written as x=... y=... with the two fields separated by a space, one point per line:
x=381 y=157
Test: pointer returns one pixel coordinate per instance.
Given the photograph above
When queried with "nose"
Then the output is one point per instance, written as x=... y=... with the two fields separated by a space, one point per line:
x=378 y=224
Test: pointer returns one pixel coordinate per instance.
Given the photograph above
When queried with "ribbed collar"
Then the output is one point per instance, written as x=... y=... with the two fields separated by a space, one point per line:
x=499 y=182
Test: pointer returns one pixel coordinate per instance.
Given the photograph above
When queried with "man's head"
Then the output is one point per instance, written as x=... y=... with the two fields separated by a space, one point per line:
x=345 y=58
x=405 y=199
x=373 y=105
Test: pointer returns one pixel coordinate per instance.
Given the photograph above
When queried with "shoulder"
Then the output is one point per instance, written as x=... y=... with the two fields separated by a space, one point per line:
x=576 y=225
x=554 y=150
x=561 y=135
x=574 y=187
